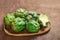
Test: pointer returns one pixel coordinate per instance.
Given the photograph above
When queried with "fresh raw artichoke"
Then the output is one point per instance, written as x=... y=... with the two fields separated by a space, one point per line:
x=32 y=15
x=32 y=26
x=8 y=19
x=18 y=24
x=30 y=20
x=20 y=12
x=44 y=20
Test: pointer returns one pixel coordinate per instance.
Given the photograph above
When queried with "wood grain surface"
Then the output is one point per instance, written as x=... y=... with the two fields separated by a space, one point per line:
x=50 y=7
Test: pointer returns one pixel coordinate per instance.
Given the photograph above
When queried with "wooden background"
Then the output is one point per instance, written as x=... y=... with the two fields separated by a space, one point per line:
x=50 y=7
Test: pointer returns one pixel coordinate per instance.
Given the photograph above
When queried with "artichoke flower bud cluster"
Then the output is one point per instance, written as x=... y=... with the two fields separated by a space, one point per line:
x=22 y=19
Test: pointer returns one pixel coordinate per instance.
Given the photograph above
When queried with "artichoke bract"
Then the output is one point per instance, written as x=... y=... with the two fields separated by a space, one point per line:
x=20 y=12
x=18 y=24
x=32 y=26
x=44 y=20
x=8 y=19
x=28 y=17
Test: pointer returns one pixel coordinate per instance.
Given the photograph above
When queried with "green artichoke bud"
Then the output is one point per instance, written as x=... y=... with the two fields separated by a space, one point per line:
x=18 y=24
x=44 y=20
x=20 y=12
x=34 y=14
x=32 y=26
x=8 y=19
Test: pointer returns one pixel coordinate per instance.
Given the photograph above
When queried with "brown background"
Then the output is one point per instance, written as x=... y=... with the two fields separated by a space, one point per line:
x=50 y=7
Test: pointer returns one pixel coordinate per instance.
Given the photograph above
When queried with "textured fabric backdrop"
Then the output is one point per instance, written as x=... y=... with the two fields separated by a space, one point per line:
x=50 y=7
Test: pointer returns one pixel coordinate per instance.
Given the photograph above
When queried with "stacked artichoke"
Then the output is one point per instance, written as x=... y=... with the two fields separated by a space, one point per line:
x=29 y=20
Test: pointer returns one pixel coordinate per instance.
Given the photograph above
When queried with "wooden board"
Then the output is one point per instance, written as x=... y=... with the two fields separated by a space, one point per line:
x=27 y=34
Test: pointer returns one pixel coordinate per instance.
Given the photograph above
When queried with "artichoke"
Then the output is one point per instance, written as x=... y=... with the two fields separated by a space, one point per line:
x=22 y=19
x=18 y=24
x=44 y=20
x=32 y=26
x=33 y=13
x=8 y=19
x=20 y=12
